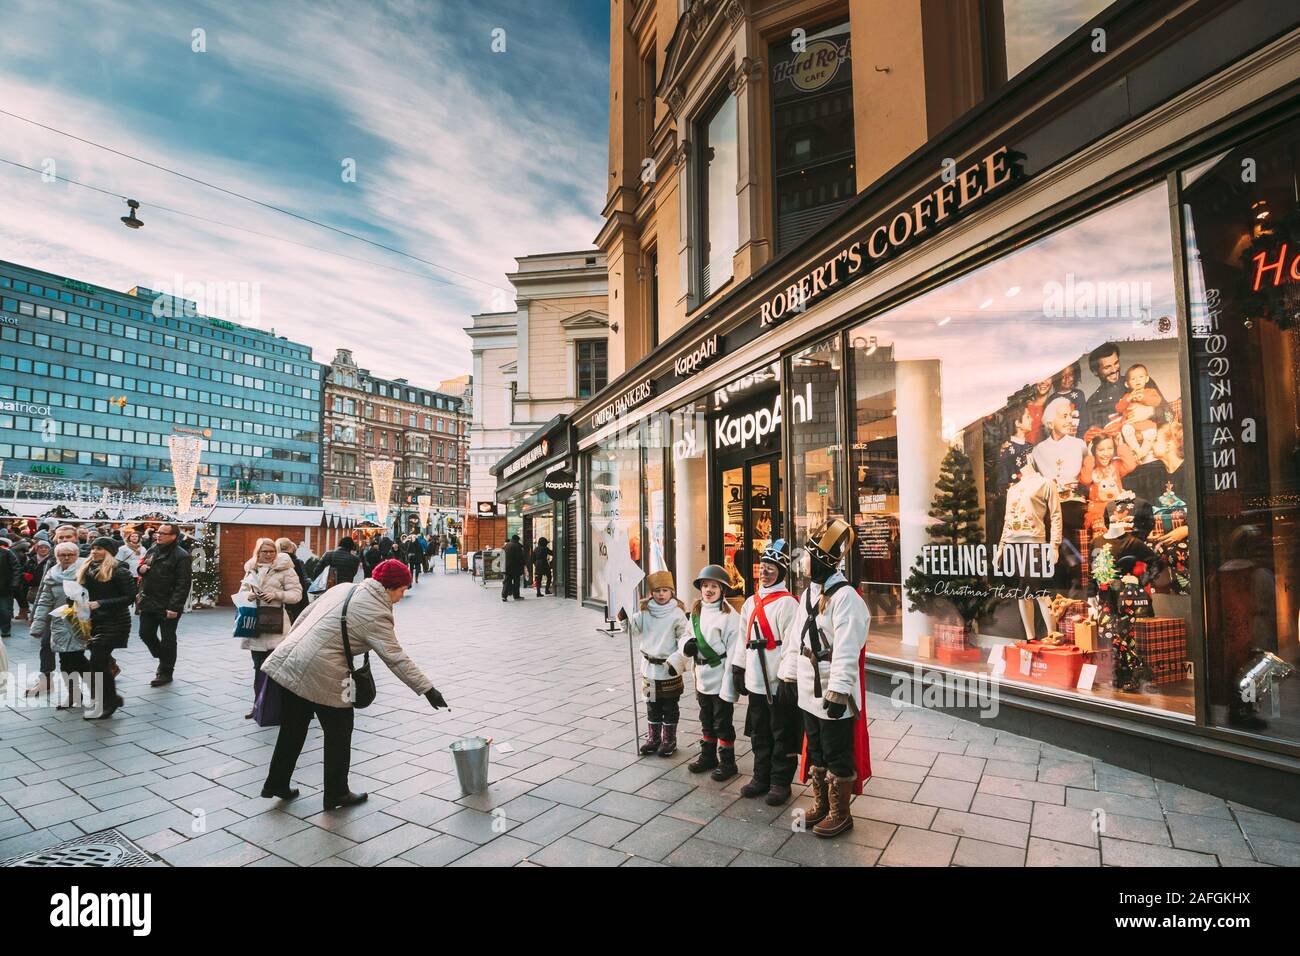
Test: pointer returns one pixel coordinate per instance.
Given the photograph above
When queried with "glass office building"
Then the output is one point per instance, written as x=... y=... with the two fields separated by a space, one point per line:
x=93 y=381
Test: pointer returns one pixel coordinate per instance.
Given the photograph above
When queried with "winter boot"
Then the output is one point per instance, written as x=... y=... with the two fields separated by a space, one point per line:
x=821 y=799
x=652 y=739
x=778 y=796
x=708 y=758
x=668 y=746
x=755 y=788
x=726 y=762
x=840 y=791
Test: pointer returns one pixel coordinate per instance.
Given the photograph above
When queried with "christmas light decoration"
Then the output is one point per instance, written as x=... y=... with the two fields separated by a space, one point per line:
x=185 y=452
x=381 y=480
x=423 y=502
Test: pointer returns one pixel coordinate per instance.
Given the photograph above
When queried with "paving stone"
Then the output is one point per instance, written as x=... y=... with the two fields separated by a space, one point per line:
x=978 y=853
x=1011 y=770
x=1136 y=829
x=268 y=827
x=892 y=811
x=890 y=789
x=568 y=792
x=942 y=792
x=20 y=796
x=808 y=850
x=1068 y=773
x=503 y=851
x=605 y=831
x=701 y=806
x=1023 y=789
x=628 y=806
x=1262 y=826
x=701 y=853
x=439 y=851
x=567 y=851
x=1124 y=853
x=913 y=847
x=975 y=826
x=1120 y=803
x=1178 y=799
x=497 y=794
x=1050 y=853
x=1275 y=852
x=1065 y=824
x=384 y=846
x=589 y=773
x=904 y=754
x=1208 y=835
x=1008 y=808
x=957 y=767
x=64 y=810
x=744 y=836
x=748 y=858
x=893 y=770
x=1117 y=780
x=657 y=838
x=553 y=824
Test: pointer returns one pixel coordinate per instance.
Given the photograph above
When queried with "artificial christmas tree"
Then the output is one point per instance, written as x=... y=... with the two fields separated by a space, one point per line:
x=962 y=598
x=206 y=578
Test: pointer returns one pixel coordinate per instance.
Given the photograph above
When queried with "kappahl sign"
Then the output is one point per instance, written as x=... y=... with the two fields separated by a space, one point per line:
x=738 y=432
x=957 y=193
x=534 y=454
x=694 y=360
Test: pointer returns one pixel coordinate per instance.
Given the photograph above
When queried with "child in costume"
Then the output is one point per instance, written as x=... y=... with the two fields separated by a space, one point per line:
x=773 y=722
x=714 y=631
x=661 y=628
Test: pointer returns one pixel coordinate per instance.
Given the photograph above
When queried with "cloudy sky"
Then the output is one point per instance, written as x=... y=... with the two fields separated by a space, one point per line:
x=464 y=156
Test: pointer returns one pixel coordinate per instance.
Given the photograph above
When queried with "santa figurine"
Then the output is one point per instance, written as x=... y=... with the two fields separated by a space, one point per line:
x=827 y=662
x=773 y=722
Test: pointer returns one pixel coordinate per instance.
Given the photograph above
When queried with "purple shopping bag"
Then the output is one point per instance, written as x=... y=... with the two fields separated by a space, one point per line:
x=266 y=710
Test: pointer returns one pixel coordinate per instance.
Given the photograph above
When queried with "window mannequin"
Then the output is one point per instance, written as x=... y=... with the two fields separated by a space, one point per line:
x=1033 y=517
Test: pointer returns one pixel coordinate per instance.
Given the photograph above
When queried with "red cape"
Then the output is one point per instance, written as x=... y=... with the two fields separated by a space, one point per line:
x=861 y=739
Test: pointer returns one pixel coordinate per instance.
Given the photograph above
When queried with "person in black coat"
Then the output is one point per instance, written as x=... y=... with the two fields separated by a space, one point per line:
x=288 y=547
x=165 y=572
x=372 y=557
x=514 y=570
x=111 y=588
x=11 y=574
x=542 y=566
x=342 y=562
x=414 y=557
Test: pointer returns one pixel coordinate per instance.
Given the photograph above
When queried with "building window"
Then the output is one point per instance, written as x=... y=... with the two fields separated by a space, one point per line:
x=652 y=309
x=812 y=132
x=718 y=207
x=1021 y=31
x=592 y=355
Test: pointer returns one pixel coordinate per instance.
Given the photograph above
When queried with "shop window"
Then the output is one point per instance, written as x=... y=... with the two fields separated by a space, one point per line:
x=690 y=492
x=1020 y=493
x=654 y=435
x=816 y=445
x=614 y=506
x=593 y=367
x=812 y=132
x=1018 y=32
x=718 y=207
x=1243 y=268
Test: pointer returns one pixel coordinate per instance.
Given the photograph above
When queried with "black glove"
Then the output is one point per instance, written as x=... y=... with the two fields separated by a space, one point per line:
x=787 y=694
x=834 y=711
x=435 y=699
x=738 y=680
x=689 y=649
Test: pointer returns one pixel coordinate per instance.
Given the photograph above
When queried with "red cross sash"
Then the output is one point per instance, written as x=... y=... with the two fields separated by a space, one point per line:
x=759 y=614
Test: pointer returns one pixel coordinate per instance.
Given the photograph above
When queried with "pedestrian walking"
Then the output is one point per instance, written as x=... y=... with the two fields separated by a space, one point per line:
x=59 y=633
x=39 y=559
x=64 y=534
x=165 y=574
x=313 y=667
x=541 y=558
x=22 y=552
x=341 y=564
x=515 y=561
x=370 y=558
x=111 y=589
x=271 y=580
x=287 y=546
x=414 y=556
x=715 y=629
x=11 y=574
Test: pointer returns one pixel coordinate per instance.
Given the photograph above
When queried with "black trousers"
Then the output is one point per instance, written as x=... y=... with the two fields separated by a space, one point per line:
x=102 y=685
x=539 y=575
x=295 y=719
x=664 y=711
x=47 y=656
x=414 y=565
x=830 y=744
x=715 y=719
x=258 y=657
x=164 y=648
x=776 y=733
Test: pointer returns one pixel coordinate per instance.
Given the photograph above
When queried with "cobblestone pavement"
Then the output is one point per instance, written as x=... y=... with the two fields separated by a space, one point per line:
x=537 y=677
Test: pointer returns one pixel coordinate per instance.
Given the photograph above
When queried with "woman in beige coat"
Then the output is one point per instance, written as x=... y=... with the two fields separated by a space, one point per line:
x=312 y=670
x=271 y=580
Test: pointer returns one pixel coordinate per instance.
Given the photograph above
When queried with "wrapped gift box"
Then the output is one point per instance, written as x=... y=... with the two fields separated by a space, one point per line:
x=1083 y=539
x=957 y=636
x=925 y=646
x=1074 y=612
x=1085 y=635
x=1162 y=644
x=1053 y=665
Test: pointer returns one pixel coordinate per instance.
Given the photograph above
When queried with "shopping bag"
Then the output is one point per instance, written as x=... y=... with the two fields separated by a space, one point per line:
x=245 y=615
x=321 y=584
x=266 y=709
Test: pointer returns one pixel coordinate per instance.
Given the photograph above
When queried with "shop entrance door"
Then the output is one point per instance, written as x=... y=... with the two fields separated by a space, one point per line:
x=750 y=513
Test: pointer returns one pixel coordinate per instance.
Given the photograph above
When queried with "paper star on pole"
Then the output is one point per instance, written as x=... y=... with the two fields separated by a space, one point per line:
x=622 y=574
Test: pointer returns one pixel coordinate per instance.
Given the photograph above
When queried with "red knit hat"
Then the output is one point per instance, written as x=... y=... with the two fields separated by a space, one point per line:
x=392 y=574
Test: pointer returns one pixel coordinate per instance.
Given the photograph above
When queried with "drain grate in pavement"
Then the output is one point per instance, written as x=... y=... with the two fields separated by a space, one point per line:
x=105 y=848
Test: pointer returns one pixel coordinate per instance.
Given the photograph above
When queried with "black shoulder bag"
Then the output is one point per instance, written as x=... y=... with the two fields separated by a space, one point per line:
x=363 y=682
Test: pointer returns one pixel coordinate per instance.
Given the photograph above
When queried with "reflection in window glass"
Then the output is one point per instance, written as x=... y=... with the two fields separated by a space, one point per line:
x=690 y=492
x=720 y=207
x=1032 y=27
x=614 y=480
x=1021 y=495
x=815 y=444
x=1244 y=280
x=654 y=434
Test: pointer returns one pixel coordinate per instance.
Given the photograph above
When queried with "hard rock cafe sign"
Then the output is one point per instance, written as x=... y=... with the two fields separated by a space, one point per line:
x=814 y=67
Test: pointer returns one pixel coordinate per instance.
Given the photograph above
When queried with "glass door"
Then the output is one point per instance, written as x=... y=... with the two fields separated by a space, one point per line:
x=734 y=524
x=751 y=519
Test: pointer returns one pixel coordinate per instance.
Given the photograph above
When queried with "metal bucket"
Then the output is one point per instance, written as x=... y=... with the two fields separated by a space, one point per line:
x=471 y=754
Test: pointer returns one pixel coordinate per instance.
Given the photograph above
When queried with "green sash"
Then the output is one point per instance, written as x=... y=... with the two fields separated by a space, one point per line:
x=702 y=646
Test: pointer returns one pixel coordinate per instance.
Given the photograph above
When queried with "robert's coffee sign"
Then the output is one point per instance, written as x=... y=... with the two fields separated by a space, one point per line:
x=559 y=485
x=624 y=403
x=956 y=193
x=534 y=454
x=691 y=362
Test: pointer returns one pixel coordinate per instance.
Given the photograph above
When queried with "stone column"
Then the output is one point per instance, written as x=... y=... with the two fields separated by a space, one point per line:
x=918 y=399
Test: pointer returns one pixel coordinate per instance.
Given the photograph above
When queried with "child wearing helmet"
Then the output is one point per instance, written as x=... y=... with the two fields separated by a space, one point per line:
x=715 y=628
x=662 y=628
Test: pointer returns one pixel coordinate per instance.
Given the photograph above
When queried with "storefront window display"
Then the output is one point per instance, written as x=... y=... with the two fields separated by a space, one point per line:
x=690 y=436
x=653 y=493
x=816 y=446
x=1243 y=267
x=614 y=505
x=1009 y=430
